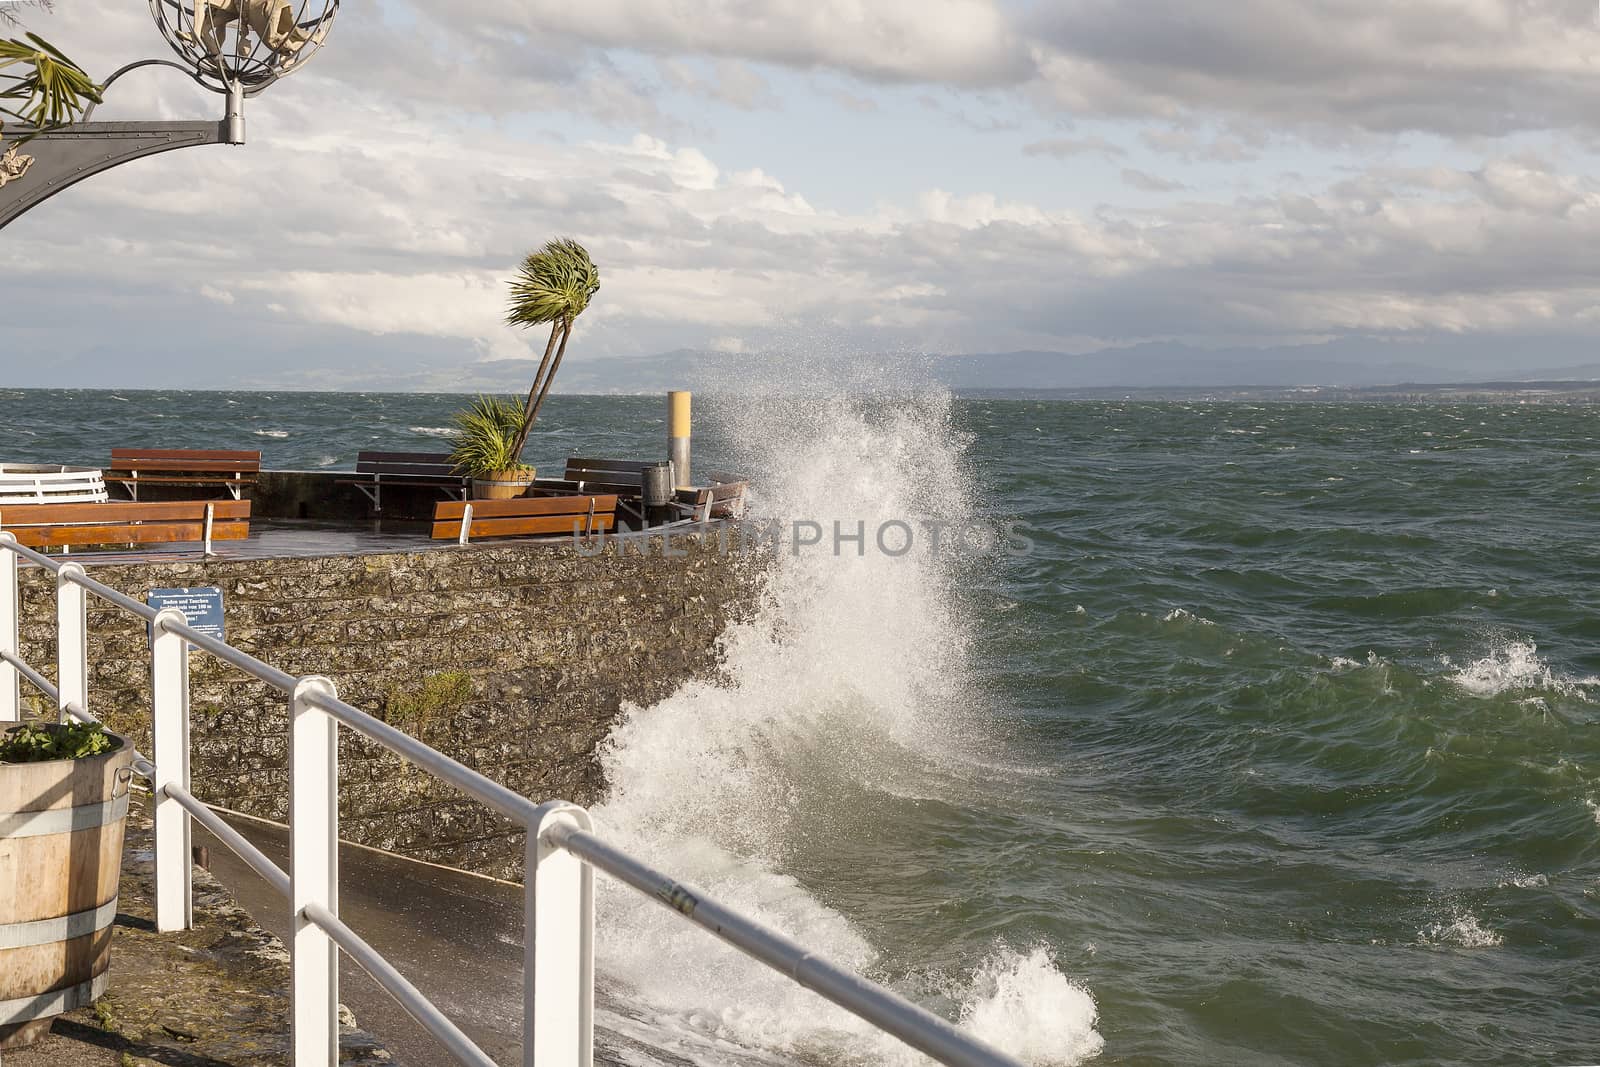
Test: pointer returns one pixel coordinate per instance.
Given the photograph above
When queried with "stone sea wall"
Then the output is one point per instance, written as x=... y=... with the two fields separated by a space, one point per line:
x=513 y=659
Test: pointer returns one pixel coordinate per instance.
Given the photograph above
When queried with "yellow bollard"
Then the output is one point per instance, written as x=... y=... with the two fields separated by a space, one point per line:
x=678 y=436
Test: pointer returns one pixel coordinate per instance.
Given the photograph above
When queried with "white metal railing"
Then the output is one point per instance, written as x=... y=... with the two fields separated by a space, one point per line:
x=562 y=851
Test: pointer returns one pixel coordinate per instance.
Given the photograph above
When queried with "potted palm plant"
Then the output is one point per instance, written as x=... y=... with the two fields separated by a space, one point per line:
x=553 y=286
x=63 y=800
x=486 y=432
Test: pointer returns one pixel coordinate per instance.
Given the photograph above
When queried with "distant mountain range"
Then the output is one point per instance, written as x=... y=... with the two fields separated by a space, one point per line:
x=1349 y=364
x=436 y=365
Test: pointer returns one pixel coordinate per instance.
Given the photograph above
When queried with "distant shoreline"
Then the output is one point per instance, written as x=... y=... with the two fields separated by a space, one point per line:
x=1574 y=391
x=1410 y=392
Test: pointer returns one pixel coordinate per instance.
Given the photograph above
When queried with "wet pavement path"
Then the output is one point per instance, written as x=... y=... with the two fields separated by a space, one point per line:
x=455 y=936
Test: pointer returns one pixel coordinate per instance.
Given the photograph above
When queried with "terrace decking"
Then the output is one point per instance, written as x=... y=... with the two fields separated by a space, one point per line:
x=321 y=513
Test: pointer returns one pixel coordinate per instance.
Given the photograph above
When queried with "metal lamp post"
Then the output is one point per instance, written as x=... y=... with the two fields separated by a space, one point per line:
x=235 y=48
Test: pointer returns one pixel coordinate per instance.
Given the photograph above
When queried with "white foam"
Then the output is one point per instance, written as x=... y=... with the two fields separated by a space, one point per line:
x=1524 y=880
x=1023 y=1003
x=270 y=433
x=1514 y=665
x=1185 y=615
x=1463 y=929
x=829 y=691
x=433 y=431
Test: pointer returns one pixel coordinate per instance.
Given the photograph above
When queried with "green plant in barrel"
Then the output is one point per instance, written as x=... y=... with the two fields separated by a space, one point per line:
x=485 y=439
x=63 y=807
x=37 y=742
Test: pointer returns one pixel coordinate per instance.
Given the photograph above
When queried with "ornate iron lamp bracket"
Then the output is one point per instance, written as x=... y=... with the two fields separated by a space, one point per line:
x=232 y=47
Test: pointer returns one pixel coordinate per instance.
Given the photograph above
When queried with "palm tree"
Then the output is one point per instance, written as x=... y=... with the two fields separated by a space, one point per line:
x=554 y=286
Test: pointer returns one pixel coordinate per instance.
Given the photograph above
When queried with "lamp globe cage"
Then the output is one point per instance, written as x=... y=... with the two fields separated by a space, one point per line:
x=239 y=47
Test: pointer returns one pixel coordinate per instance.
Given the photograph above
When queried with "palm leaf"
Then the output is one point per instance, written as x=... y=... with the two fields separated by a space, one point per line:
x=486 y=434
x=554 y=284
x=52 y=90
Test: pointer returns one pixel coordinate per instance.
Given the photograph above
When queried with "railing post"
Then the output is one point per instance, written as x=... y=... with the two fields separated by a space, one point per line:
x=72 y=640
x=558 y=947
x=10 y=632
x=169 y=687
x=314 y=873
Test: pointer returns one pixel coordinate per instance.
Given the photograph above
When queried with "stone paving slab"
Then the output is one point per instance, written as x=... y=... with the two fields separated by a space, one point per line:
x=213 y=996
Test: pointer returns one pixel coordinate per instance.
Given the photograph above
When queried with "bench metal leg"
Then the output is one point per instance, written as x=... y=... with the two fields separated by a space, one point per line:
x=466 y=526
x=373 y=492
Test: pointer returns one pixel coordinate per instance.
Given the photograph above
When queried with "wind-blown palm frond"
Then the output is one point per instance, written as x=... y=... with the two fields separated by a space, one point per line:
x=50 y=90
x=485 y=435
x=554 y=285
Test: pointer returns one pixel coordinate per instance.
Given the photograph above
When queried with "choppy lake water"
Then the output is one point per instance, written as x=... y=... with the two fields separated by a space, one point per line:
x=1279 y=744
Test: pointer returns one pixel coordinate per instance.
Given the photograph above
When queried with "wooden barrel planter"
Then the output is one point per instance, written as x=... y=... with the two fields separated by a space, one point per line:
x=61 y=827
x=503 y=485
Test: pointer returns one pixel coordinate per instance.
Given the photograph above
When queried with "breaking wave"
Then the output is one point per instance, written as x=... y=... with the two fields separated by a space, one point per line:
x=831 y=702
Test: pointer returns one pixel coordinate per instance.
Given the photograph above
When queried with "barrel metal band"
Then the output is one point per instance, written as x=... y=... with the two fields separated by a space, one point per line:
x=58 y=927
x=62 y=820
x=45 y=1005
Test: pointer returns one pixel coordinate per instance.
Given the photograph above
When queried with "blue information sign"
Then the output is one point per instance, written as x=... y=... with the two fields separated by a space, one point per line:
x=201 y=606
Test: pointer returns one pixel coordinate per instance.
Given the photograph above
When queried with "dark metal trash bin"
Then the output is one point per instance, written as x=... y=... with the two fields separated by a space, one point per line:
x=656 y=481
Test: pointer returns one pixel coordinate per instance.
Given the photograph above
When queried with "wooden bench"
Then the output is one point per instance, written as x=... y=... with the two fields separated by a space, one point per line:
x=624 y=476
x=723 y=498
x=181 y=466
x=575 y=514
x=720 y=500
x=21 y=484
x=434 y=470
x=127 y=523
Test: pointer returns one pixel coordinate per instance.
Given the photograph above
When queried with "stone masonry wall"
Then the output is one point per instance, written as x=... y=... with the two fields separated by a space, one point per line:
x=513 y=659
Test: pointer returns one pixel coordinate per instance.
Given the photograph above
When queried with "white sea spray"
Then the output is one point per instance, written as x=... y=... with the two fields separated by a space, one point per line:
x=851 y=676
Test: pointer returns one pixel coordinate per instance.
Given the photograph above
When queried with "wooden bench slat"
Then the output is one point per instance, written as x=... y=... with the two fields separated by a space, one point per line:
x=406 y=480
x=404 y=470
x=526 y=516
x=143 y=534
x=523 y=527
x=64 y=525
x=618 y=488
x=629 y=466
x=524 y=506
x=119 y=511
x=187 y=454
x=370 y=456
x=194 y=467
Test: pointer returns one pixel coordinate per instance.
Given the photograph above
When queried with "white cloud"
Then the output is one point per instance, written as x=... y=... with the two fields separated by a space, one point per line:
x=1449 y=66
x=370 y=206
x=964 y=42
x=1067 y=147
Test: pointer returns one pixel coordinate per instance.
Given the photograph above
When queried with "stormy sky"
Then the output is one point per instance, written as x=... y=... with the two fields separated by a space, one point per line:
x=949 y=176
